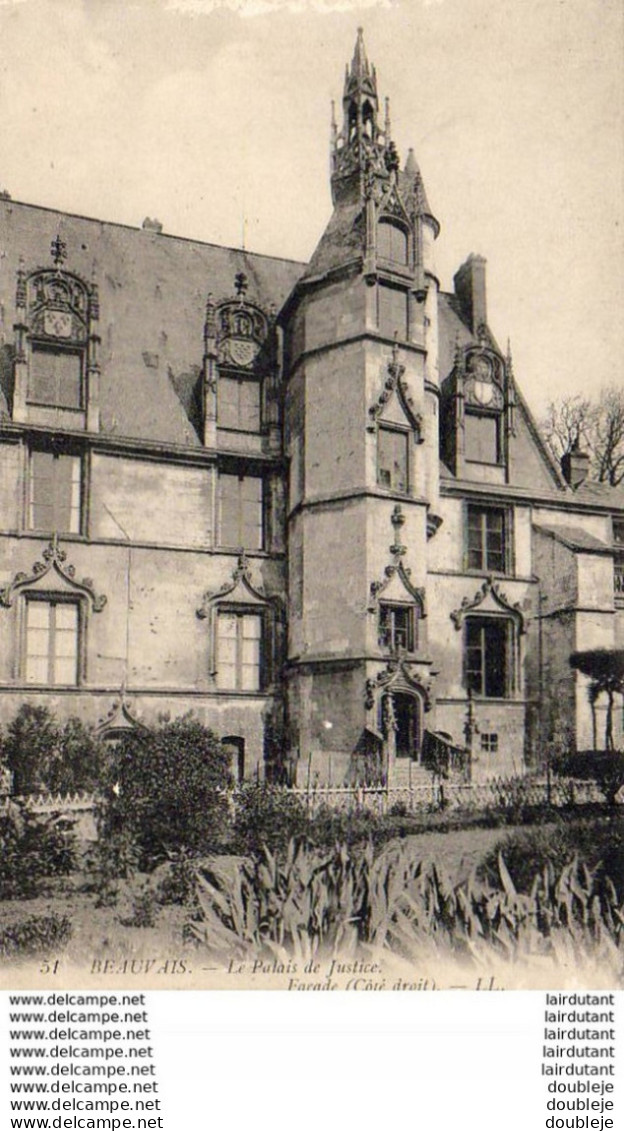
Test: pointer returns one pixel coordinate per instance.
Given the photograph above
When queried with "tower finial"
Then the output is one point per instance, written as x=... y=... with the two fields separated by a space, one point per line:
x=359 y=64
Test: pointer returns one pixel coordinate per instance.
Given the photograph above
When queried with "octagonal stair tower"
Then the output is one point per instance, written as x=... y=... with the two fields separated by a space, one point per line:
x=361 y=437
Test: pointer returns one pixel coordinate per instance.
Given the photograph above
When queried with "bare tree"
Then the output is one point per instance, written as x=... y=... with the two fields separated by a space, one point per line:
x=568 y=423
x=595 y=426
x=606 y=441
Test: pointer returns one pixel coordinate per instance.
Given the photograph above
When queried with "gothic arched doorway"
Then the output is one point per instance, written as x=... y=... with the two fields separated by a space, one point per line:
x=408 y=725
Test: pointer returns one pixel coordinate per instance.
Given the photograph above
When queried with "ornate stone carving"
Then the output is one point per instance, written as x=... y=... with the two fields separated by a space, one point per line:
x=396 y=568
x=59 y=306
x=501 y=603
x=53 y=562
x=397 y=676
x=240 y=588
x=394 y=384
x=483 y=382
x=120 y=719
x=240 y=327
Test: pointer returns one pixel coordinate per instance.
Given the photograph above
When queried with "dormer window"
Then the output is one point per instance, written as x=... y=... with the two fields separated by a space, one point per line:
x=55 y=376
x=56 y=349
x=239 y=404
x=482 y=437
x=392 y=242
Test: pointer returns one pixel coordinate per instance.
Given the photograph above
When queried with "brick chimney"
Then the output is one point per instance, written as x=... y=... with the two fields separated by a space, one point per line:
x=575 y=466
x=469 y=284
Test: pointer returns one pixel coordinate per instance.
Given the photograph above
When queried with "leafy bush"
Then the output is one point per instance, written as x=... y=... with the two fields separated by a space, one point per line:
x=166 y=790
x=39 y=934
x=605 y=767
x=32 y=848
x=311 y=904
x=45 y=756
x=269 y=815
x=598 y=843
x=177 y=885
x=110 y=860
x=144 y=909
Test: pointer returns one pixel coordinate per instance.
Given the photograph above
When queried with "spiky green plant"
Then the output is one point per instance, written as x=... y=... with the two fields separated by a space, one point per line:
x=337 y=903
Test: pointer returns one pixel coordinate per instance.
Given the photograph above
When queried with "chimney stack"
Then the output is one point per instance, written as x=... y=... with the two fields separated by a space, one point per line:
x=469 y=284
x=575 y=466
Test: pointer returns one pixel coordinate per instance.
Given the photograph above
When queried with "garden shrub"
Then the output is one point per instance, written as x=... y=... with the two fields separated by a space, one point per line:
x=605 y=767
x=36 y=935
x=177 y=884
x=32 y=848
x=46 y=756
x=110 y=860
x=268 y=815
x=144 y=908
x=599 y=843
x=167 y=791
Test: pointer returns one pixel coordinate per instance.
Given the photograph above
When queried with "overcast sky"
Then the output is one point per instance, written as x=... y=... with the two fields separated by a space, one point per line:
x=212 y=114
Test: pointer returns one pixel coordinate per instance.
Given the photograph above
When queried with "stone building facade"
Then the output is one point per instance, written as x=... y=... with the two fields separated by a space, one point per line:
x=307 y=502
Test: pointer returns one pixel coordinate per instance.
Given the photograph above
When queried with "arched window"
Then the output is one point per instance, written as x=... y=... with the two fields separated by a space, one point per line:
x=391 y=241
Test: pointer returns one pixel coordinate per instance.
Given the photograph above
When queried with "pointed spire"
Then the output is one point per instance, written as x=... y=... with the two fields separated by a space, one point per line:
x=411 y=168
x=360 y=75
x=360 y=66
x=387 y=124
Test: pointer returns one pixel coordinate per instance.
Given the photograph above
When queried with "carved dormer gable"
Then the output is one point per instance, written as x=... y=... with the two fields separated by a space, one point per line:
x=391 y=206
x=394 y=404
x=56 y=346
x=240 y=350
x=483 y=378
x=489 y=600
x=58 y=306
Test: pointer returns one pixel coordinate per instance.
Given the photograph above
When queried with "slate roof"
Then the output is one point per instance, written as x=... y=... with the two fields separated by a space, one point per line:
x=575 y=538
x=153 y=289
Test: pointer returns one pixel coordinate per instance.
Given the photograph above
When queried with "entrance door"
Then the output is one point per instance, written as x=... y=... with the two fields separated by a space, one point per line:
x=235 y=747
x=407 y=721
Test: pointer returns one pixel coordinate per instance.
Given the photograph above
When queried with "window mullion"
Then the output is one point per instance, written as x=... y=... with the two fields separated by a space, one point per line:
x=51 y=643
x=239 y=652
x=482 y=647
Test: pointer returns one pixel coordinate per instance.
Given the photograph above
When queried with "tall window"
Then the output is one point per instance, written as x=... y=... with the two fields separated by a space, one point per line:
x=239 y=404
x=488 y=658
x=618 y=560
x=239 y=650
x=55 y=376
x=481 y=437
x=393 y=458
x=398 y=627
x=392 y=316
x=52 y=628
x=241 y=519
x=487 y=538
x=54 y=492
x=391 y=242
